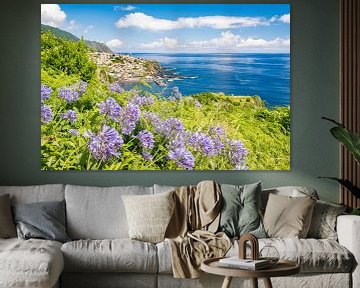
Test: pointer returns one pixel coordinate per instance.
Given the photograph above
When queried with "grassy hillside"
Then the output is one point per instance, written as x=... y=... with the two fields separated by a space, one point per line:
x=93 y=124
x=96 y=46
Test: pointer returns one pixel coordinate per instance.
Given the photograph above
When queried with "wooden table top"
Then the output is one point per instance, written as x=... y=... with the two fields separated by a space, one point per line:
x=281 y=268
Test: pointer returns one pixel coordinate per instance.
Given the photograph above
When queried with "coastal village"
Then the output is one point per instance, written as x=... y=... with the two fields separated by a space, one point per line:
x=126 y=68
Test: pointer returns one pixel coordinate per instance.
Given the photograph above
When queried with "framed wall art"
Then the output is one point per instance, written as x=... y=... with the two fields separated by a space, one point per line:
x=165 y=87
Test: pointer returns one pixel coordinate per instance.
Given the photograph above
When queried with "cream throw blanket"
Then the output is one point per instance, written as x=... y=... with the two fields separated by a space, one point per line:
x=191 y=231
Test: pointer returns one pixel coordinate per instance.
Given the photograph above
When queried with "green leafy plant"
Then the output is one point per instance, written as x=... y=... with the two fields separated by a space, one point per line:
x=351 y=141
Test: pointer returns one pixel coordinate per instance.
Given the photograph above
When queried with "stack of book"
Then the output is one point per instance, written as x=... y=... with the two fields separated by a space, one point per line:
x=248 y=264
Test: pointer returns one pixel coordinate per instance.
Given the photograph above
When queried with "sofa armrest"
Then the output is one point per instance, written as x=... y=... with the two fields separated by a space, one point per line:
x=348 y=230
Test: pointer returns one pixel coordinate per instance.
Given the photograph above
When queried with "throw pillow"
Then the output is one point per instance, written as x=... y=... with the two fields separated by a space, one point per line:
x=288 y=217
x=7 y=227
x=43 y=220
x=149 y=215
x=323 y=222
x=240 y=213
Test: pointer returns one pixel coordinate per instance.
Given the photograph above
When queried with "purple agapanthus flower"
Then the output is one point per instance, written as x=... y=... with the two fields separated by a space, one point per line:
x=105 y=145
x=69 y=115
x=73 y=92
x=129 y=118
x=198 y=104
x=176 y=93
x=45 y=92
x=146 y=139
x=202 y=143
x=182 y=157
x=142 y=100
x=46 y=114
x=178 y=140
x=237 y=154
x=110 y=108
x=154 y=119
x=147 y=156
x=74 y=132
x=172 y=126
x=116 y=87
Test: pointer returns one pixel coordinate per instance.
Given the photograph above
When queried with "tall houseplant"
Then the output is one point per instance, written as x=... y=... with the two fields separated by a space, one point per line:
x=351 y=141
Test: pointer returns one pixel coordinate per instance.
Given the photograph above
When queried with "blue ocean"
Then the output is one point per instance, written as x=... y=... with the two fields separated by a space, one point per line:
x=265 y=75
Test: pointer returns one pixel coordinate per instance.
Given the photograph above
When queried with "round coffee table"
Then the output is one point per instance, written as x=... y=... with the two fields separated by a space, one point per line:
x=281 y=268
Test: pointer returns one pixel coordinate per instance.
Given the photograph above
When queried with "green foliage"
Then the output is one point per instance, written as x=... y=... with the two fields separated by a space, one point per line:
x=62 y=56
x=351 y=141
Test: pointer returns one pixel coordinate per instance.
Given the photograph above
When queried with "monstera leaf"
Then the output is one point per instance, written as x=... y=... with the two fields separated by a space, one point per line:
x=347 y=184
x=348 y=138
x=352 y=142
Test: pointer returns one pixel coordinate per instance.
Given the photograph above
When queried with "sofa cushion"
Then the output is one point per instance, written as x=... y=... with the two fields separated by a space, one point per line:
x=117 y=255
x=240 y=210
x=35 y=193
x=7 y=226
x=30 y=263
x=291 y=191
x=323 y=222
x=43 y=220
x=287 y=216
x=98 y=213
x=149 y=215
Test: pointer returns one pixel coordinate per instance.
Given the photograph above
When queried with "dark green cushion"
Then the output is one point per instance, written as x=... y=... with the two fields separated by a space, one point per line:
x=43 y=220
x=240 y=213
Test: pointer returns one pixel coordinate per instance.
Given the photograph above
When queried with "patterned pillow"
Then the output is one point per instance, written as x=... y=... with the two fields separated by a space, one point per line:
x=149 y=215
x=323 y=222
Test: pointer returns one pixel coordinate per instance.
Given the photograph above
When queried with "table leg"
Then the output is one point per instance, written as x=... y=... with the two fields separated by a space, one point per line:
x=254 y=282
x=267 y=283
x=227 y=282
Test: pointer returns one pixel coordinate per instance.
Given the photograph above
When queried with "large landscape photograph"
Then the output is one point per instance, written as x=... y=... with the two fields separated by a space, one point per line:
x=165 y=87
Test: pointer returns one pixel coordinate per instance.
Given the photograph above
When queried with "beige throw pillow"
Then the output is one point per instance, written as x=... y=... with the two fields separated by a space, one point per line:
x=7 y=226
x=149 y=215
x=288 y=217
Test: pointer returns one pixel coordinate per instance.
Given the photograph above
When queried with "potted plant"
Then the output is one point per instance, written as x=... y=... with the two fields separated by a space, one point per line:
x=351 y=141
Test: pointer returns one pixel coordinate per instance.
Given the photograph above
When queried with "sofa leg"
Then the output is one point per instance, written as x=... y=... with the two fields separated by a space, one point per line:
x=254 y=282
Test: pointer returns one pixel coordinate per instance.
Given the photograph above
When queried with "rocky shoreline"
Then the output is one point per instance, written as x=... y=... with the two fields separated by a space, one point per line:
x=126 y=69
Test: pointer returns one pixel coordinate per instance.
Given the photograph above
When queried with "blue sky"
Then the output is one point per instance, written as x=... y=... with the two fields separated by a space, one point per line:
x=177 y=28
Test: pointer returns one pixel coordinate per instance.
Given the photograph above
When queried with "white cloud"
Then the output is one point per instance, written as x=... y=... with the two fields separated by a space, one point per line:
x=115 y=44
x=167 y=43
x=124 y=8
x=88 y=28
x=72 y=25
x=146 y=22
x=230 y=41
x=285 y=18
x=51 y=14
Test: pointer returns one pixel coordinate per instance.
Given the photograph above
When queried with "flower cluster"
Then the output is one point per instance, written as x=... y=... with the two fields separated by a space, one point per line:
x=182 y=157
x=142 y=100
x=129 y=117
x=116 y=87
x=70 y=115
x=72 y=93
x=46 y=114
x=106 y=144
x=146 y=139
x=176 y=94
x=45 y=92
x=237 y=154
x=110 y=108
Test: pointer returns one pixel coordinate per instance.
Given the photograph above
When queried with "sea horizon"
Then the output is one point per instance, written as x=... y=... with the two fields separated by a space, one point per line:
x=240 y=74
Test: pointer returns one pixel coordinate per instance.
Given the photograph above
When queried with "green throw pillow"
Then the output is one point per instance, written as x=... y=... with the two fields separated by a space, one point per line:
x=240 y=213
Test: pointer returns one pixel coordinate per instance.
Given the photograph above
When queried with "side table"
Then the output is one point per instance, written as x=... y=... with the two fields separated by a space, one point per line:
x=281 y=268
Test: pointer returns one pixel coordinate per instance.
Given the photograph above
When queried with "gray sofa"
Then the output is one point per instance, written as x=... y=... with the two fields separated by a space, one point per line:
x=101 y=254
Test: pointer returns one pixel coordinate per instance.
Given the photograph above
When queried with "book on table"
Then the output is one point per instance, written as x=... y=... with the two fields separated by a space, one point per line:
x=249 y=264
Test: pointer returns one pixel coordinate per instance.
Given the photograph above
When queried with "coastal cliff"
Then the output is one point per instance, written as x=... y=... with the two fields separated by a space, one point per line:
x=126 y=68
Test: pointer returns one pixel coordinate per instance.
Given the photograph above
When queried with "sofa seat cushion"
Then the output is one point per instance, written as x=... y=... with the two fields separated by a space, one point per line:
x=115 y=255
x=313 y=255
x=30 y=263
